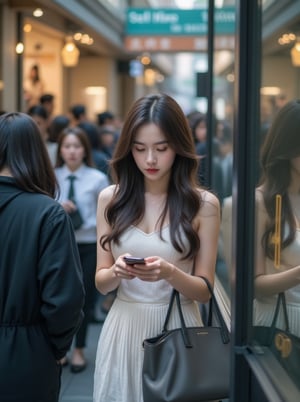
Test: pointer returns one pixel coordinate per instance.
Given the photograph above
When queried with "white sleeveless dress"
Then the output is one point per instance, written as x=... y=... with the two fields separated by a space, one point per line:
x=264 y=307
x=137 y=313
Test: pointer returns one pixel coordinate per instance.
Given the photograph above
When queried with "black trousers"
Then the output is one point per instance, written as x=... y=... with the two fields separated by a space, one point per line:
x=87 y=252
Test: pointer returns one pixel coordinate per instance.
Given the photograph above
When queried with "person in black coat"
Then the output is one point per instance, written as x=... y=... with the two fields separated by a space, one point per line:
x=41 y=289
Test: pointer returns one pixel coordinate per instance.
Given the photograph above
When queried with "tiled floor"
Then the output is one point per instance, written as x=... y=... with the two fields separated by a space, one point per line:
x=79 y=387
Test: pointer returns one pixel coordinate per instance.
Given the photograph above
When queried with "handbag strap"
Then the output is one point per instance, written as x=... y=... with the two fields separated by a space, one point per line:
x=281 y=301
x=184 y=332
x=214 y=304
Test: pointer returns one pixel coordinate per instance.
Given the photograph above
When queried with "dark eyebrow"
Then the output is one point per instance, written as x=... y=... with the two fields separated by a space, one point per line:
x=156 y=143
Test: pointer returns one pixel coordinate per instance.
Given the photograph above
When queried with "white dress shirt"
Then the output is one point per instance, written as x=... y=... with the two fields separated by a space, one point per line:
x=87 y=186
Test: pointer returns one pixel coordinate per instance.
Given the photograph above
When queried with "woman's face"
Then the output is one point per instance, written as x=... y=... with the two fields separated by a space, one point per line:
x=152 y=153
x=72 y=151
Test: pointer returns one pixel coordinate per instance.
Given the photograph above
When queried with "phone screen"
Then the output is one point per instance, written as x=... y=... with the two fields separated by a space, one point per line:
x=134 y=260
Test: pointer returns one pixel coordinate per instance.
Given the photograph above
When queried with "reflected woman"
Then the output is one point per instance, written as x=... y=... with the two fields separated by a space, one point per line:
x=280 y=162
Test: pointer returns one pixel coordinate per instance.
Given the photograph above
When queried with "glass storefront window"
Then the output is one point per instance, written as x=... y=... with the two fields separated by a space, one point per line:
x=276 y=307
x=222 y=146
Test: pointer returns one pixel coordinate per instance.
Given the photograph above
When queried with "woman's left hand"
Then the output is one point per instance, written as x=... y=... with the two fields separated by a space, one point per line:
x=154 y=269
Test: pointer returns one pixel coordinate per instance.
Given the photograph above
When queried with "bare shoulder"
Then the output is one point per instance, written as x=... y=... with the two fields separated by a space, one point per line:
x=210 y=204
x=259 y=194
x=106 y=194
x=259 y=199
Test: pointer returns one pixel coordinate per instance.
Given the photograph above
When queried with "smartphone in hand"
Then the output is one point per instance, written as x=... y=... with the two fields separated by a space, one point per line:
x=133 y=260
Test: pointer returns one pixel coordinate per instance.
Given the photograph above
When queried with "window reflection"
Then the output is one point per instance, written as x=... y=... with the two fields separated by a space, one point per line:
x=277 y=201
x=277 y=263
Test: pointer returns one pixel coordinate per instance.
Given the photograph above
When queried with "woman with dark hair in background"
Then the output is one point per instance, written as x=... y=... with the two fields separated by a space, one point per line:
x=156 y=210
x=41 y=290
x=80 y=183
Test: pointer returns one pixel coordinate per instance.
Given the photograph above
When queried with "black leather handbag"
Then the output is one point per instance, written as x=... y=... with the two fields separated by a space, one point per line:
x=188 y=364
x=283 y=344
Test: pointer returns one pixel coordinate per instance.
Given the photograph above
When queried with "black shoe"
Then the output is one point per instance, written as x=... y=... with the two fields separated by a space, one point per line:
x=77 y=368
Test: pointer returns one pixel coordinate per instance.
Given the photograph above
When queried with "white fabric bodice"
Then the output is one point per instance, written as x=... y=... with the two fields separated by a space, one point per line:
x=141 y=244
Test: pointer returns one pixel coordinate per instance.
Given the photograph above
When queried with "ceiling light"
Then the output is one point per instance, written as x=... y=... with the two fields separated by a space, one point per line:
x=288 y=38
x=145 y=59
x=20 y=48
x=27 y=28
x=295 y=54
x=70 y=53
x=270 y=91
x=77 y=36
x=38 y=12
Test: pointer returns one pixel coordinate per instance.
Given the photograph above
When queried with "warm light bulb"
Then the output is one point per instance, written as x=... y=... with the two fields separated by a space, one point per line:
x=38 y=12
x=19 y=48
x=295 y=54
x=70 y=47
x=27 y=28
x=146 y=60
x=77 y=36
x=70 y=54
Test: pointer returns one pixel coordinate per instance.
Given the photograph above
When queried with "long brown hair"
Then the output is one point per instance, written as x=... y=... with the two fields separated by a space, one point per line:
x=127 y=206
x=280 y=146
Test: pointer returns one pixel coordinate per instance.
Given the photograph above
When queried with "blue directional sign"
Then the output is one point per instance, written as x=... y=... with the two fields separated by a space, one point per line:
x=149 y=21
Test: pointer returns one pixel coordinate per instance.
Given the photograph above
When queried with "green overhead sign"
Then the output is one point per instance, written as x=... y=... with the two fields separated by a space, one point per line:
x=149 y=21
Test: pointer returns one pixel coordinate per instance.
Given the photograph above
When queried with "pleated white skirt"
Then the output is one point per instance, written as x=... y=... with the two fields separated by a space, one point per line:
x=119 y=359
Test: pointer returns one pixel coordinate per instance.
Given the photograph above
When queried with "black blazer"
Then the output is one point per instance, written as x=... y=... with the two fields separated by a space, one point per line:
x=41 y=293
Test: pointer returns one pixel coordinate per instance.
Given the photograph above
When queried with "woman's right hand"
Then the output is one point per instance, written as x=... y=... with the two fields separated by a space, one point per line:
x=69 y=206
x=121 y=269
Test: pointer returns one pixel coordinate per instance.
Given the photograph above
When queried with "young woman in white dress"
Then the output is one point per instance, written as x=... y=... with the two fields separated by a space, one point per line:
x=156 y=210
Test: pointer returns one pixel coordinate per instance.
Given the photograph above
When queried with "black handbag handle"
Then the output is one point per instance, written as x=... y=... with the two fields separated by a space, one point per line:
x=281 y=301
x=214 y=304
